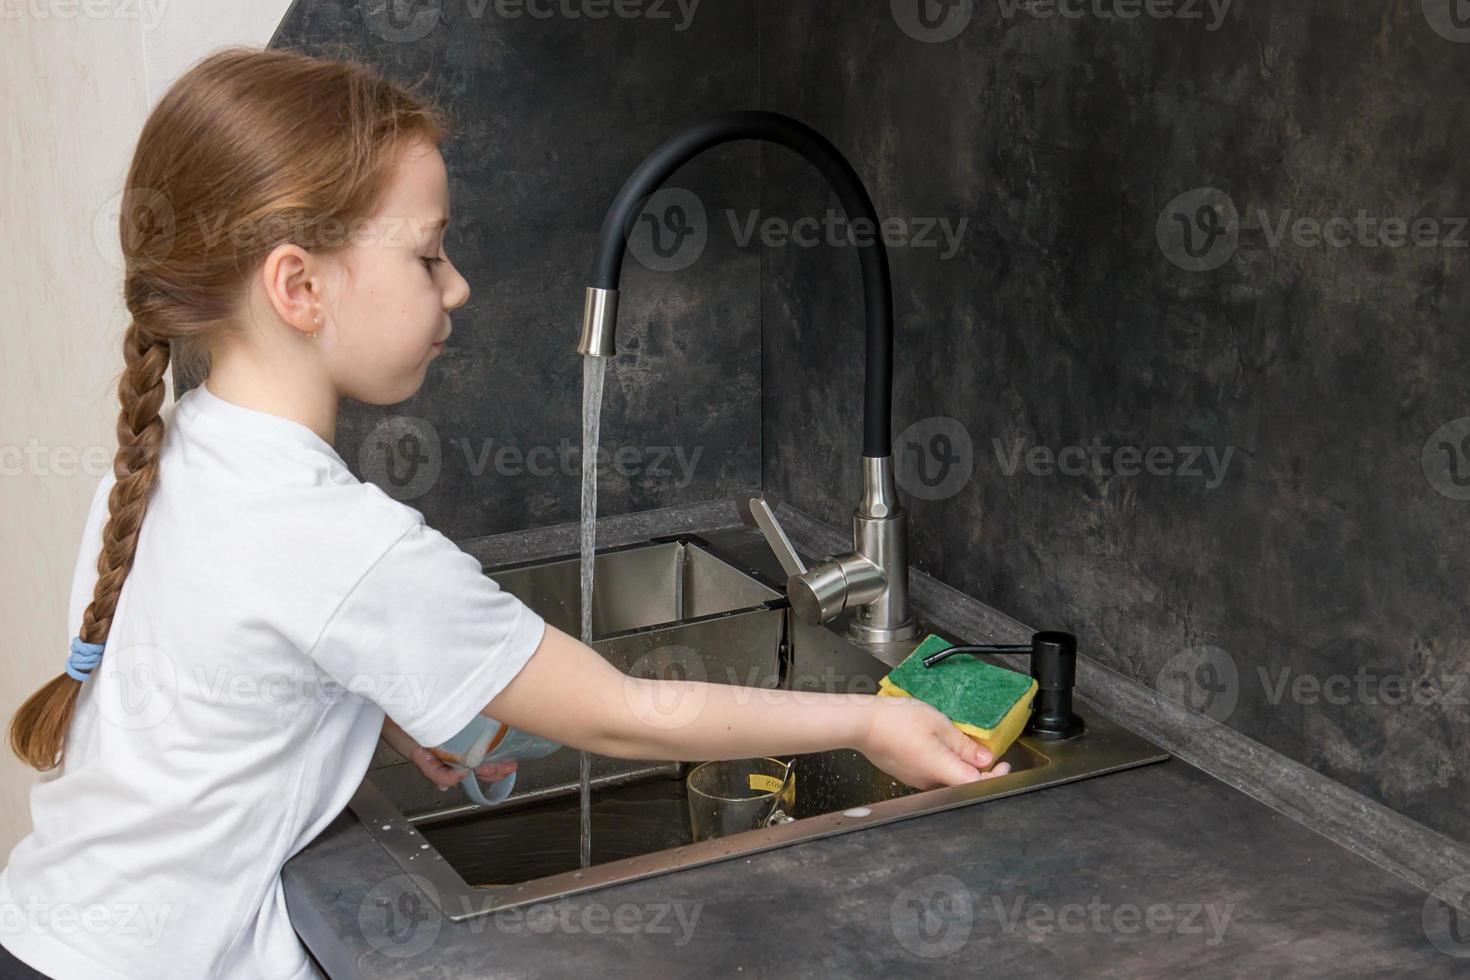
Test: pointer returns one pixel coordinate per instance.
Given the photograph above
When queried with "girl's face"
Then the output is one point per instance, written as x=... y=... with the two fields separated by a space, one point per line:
x=386 y=314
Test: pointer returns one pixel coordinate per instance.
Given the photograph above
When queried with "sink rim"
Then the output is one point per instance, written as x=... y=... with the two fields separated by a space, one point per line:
x=1105 y=747
x=1109 y=748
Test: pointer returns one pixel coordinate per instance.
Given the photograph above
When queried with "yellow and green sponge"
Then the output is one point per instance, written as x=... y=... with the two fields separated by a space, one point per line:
x=990 y=704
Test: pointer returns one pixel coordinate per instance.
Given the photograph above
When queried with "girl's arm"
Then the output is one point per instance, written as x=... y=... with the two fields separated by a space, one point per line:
x=398 y=740
x=569 y=693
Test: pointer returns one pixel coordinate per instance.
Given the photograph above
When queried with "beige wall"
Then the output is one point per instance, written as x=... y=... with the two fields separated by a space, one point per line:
x=79 y=78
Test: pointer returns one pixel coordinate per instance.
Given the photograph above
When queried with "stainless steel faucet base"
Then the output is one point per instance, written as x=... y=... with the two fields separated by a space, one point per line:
x=870 y=636
x=886 y=619
x=872 y=579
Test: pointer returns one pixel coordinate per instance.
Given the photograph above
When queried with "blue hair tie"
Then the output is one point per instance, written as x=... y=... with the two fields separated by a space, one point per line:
x=84 y=657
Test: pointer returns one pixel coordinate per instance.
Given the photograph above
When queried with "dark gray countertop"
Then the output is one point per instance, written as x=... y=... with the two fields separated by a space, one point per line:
x=1160 y=871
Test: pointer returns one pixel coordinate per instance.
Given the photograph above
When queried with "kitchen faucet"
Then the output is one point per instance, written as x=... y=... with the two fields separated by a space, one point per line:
x=872 y=579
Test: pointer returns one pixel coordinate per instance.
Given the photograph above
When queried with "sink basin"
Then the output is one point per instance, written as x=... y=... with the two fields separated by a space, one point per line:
x=702 y=607
x=634 y=586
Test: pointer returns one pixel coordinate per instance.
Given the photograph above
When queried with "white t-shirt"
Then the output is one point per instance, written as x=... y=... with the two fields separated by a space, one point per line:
x=276 y=608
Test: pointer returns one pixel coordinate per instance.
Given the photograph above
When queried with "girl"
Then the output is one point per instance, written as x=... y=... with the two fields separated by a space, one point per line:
x=248 y=618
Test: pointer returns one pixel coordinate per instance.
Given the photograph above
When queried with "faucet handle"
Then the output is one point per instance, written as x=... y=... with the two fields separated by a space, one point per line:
x=755 y=511
x=821 y=592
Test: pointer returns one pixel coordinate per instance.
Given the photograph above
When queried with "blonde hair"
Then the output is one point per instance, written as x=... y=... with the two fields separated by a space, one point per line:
x=280 y=145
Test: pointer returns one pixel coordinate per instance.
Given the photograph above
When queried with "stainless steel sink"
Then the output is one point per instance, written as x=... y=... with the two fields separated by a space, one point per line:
x=635 y=586
x=705 y=607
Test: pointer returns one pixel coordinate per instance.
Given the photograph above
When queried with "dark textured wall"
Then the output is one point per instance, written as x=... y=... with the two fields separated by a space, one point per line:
x=553 y=113
x=1180 y=359
x=1308 y=588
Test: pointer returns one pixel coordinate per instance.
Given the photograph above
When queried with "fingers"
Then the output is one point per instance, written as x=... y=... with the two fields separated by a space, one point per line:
x=980 y=753
x=917 y=743
x=444 y=775
x=959 y=759
x=958 y=763
x=436 y=770
x=1000 y=770
x=498 y=769
x=978 y=758
x=967 y=748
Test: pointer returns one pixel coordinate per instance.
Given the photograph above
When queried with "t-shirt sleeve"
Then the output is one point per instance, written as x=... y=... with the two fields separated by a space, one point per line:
x=428 y=636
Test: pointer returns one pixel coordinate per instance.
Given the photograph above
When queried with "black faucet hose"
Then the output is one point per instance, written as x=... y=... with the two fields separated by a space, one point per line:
x=784 y=131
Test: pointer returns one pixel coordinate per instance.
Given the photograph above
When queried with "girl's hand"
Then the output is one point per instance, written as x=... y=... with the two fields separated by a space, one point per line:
x=915 y=743
x=439 y=772
x=443 y=775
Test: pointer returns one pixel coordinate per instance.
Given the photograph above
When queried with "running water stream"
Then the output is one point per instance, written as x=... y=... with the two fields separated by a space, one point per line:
x=593 y=369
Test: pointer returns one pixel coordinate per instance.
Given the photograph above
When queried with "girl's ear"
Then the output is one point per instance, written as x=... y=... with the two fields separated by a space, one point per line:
x=291 y=277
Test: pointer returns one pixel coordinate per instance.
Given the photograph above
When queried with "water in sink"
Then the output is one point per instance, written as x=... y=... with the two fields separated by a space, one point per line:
x=627 y=821
x=543 y=839
x=630 y=820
